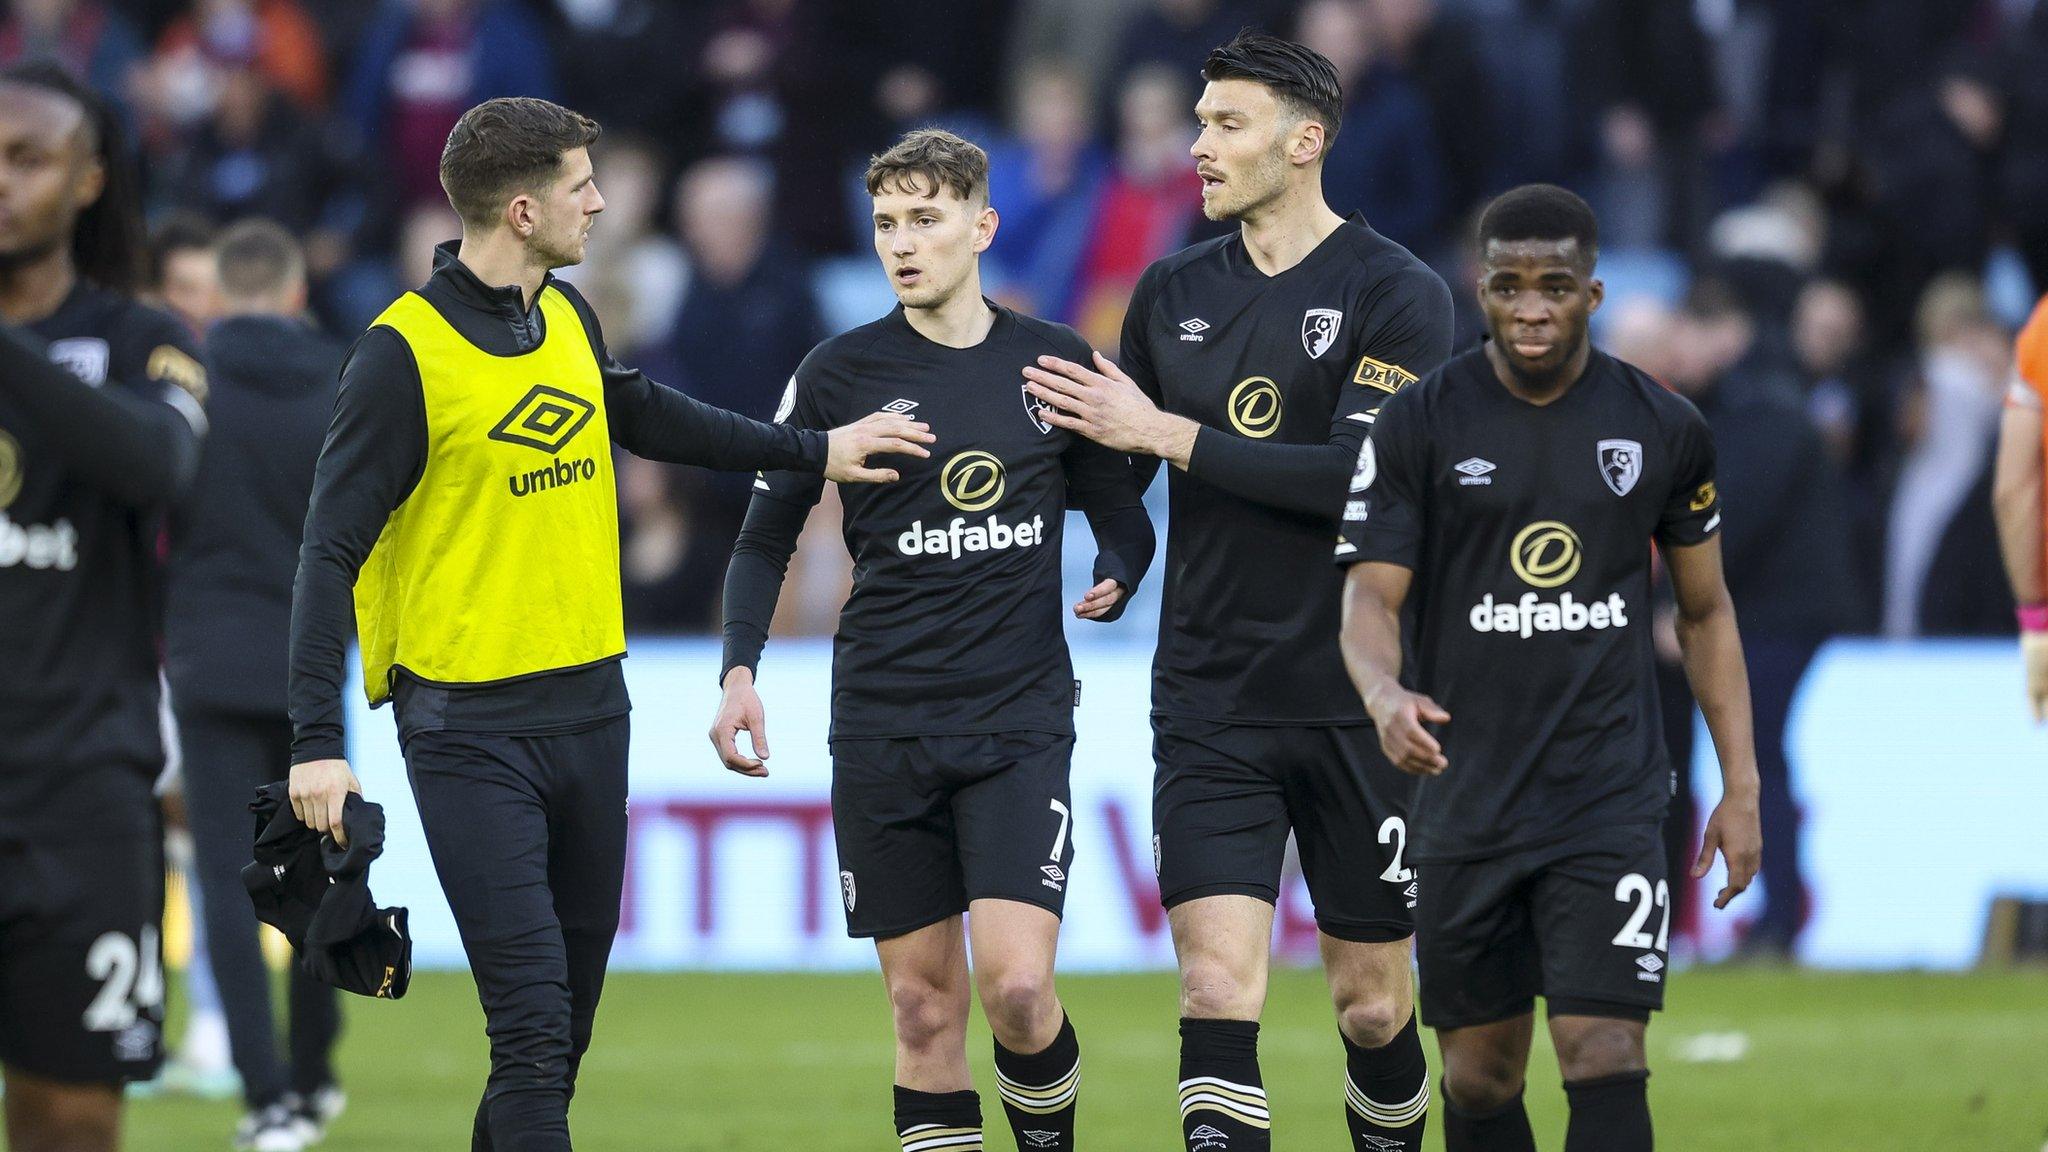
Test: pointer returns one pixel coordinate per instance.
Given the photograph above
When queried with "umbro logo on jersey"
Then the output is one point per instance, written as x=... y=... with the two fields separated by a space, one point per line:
x=1040 y=1139
x=1207 y=1137
x=899 y=406
x=1474 y=471
x=1319 y=330
x=1652 y=968
x=1193 y=329
x=1054 y=878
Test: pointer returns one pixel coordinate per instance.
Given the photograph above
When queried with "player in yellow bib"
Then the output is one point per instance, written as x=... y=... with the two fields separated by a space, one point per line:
x=465 y=495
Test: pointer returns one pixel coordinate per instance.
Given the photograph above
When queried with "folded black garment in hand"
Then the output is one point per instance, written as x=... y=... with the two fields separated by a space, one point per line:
x=318 y=894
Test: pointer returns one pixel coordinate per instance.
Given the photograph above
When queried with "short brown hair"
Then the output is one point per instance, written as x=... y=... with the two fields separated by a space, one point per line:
x=258 y=258
x=930 y=159
x=508 y=145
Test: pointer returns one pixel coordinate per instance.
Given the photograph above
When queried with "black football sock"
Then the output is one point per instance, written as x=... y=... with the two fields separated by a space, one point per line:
x=938 y=1121
x=1502 y=1129
x=1222 y=1101
x=1386 y=1092
x=1610 y=1114
x=1039 y=1091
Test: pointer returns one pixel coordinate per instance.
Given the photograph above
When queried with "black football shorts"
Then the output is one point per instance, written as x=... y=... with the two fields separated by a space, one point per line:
x=81 y=958
x=1583 y=922
x=1225 y=796
x=925 y=824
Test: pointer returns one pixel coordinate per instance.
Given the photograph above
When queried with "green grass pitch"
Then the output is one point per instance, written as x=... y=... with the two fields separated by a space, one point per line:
x=772 y=1063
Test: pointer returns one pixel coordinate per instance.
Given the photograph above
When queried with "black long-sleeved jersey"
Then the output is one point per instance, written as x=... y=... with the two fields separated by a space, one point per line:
x=1284 y=373
x=955 y=622
x=376 y=452
x=101 y=420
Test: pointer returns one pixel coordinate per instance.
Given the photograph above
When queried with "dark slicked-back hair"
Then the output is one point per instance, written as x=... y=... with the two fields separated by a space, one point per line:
x=1541 y=212
x=1303 y=78
x=930 y=159
x=506 y=146
x=107 y=245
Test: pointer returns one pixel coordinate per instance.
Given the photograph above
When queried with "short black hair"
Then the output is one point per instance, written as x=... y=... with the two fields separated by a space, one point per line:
x=107 y=244
x=1303 y=78
x=1540 y=212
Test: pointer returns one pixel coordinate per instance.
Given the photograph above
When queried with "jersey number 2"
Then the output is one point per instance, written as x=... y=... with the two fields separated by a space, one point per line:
x=1394 y=831
x=1635 y=886
x=131 y=976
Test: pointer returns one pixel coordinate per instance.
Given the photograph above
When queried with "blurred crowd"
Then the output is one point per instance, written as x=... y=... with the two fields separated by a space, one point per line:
x=1811 y=209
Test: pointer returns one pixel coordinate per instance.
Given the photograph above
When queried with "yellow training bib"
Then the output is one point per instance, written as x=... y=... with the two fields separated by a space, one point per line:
x=504 y=560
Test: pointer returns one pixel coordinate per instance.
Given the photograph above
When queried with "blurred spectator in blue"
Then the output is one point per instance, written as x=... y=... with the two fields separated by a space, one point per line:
x=1788 y=560
x=1042 y=182
x=1643 y=79
x=1950 y=423
x=633 y=272
x=1179 y=34
x=747 y=317
x=1436 y=53
x=423 y=63
x=1143 y=209
x=628 y=63
x=1385 y=162
x=90 y=38
x=276 y=39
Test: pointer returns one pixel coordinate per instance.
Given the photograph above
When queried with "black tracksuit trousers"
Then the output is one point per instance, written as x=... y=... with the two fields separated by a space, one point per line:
x=528 y=834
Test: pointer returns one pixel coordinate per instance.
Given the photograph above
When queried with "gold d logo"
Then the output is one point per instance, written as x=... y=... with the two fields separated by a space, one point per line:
x=1255 y=407
x=972 y=481
x=10 y=469
x=1545 y=554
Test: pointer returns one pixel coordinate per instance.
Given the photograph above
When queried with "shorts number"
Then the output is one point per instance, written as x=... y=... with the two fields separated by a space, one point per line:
x=1394 y=830
x=131 y=976
x=1635 y=886
x=1059 y=842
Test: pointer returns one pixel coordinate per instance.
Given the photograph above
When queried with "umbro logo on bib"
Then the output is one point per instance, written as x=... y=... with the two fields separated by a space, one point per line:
x=545 y=419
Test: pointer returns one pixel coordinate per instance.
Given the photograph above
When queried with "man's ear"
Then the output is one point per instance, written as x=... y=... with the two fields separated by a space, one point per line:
x=1309 y=143
x=521 y=215
x=985 y=225
x=1595 y=292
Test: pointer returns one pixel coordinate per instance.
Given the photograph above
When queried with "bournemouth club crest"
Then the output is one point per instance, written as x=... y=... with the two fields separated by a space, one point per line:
x=1036 y=409
x=1319 y=330
x=1621 y=465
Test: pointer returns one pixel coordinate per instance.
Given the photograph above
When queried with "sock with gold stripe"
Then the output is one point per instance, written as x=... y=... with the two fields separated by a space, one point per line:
x=1039 y=1091
x=1222 y=1100
x=938 y=1121
x=1386 y=1092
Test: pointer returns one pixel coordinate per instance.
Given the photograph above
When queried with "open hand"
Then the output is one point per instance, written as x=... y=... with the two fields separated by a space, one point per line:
x=1736 y=832
x=1103 y=404
x=879 y=434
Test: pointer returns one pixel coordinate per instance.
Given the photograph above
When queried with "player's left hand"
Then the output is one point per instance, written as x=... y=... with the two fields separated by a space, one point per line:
x=1097 y=602
x=1101 y=403
x=1736 y=832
